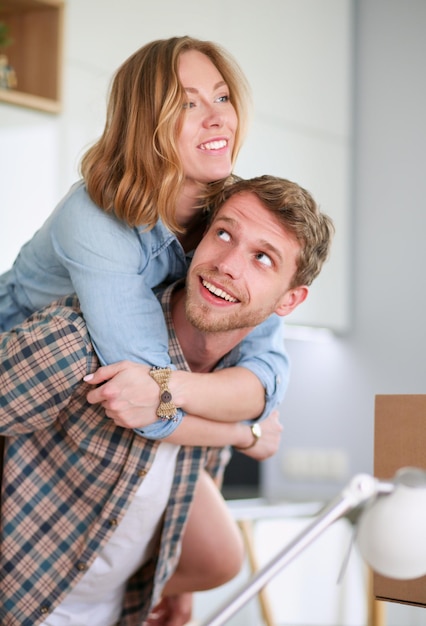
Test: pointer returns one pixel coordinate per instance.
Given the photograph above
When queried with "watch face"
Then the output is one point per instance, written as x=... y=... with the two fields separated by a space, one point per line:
x=256 y=430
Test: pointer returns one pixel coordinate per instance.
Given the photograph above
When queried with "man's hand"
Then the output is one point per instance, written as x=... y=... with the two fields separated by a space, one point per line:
x=127 y=392
x=171 y=611
x=269 y=442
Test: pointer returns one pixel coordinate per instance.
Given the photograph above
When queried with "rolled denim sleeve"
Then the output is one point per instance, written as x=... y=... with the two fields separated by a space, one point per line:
x=110 y=270
x=113 y=272
x=161 y=428
x=263 y=353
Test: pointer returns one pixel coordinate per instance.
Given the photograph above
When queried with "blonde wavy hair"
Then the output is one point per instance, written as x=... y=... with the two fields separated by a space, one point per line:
x=134 y=168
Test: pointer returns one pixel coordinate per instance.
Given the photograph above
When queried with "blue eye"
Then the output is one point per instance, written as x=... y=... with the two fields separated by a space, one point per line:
x=264 y=259
x=189 y=105
x=224 y=98
x=223 y=234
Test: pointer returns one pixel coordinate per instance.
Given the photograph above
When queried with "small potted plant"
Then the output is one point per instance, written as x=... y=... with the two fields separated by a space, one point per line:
x=7 y=73
x=5 y=40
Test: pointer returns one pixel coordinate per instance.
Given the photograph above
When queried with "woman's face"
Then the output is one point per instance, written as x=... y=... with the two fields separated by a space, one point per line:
x=206 y=141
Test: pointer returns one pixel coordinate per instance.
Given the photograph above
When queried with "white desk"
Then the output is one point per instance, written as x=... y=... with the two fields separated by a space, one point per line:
x=306 y=592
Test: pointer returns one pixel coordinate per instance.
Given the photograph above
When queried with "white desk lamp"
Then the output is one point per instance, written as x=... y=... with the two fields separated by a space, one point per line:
x=391 y=532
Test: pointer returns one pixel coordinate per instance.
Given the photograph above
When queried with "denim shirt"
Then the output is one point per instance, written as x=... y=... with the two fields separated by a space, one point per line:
x=113 y=268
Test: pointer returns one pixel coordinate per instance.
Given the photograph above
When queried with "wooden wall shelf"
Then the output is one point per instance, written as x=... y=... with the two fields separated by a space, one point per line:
x=36 y=30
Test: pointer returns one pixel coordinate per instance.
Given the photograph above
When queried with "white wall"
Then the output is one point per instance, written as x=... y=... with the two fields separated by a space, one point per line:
x=330 y=403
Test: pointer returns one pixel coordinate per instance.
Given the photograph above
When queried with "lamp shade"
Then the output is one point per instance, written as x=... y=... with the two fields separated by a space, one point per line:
x=392 y=529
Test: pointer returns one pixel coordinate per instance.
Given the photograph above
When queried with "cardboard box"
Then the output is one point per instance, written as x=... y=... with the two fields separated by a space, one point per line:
x=399 y=441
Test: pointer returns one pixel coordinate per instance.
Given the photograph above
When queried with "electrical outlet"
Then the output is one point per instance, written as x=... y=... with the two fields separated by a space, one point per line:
x=316 y=464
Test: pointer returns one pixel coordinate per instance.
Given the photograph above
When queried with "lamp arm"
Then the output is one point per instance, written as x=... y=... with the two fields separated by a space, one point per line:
x=361 y=488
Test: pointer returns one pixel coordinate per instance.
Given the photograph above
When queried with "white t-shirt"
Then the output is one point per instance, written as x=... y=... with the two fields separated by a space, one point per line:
x=97 y=598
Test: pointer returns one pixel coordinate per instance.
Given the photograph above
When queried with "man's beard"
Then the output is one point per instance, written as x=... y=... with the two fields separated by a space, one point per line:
x=208 y=321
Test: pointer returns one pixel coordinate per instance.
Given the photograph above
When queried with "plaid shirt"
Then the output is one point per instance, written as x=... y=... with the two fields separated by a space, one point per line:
x=69 y=473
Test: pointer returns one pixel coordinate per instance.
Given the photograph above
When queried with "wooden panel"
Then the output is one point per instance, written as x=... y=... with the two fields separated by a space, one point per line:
x=36 y=28
x=399 y=441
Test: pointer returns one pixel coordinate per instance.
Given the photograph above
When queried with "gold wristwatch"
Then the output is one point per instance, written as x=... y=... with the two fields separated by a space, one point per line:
x=256 y=431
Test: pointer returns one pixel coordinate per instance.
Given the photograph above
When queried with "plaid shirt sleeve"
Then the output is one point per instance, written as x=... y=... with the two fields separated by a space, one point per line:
x=41 y=361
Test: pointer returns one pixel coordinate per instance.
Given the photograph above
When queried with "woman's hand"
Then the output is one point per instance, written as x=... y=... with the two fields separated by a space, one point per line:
x=127 y=393
x=130 y=398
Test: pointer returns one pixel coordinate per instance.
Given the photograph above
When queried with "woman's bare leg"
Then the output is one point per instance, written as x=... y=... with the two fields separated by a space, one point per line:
x=212 y=547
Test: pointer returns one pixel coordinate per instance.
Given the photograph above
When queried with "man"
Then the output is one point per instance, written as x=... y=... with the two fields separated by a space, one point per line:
x=73 y=479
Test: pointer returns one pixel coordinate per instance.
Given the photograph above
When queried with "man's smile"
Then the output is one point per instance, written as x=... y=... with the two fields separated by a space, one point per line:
x=216 y=291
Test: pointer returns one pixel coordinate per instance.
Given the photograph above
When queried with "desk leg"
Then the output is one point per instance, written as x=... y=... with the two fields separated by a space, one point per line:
x=246 y=528
x=376 y=608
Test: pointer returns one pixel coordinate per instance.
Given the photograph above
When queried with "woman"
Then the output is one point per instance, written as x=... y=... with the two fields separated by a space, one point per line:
x=176 y=118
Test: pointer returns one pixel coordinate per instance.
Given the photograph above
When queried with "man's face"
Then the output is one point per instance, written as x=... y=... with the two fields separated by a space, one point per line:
x=242 y=269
